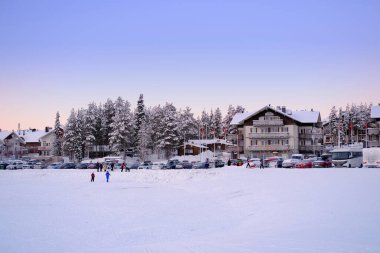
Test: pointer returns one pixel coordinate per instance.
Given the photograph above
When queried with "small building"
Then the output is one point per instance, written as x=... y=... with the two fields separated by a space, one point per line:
x=373 y=133
x=195 y=147
x=11 y=145
x=31 y=139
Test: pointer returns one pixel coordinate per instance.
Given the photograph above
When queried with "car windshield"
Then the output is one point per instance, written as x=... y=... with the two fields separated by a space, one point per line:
x=340 y=155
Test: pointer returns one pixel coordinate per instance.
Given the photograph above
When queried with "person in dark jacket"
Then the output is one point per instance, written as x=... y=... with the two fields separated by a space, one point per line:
x=92 y=177
x=97 y=166
x=108 y=176
x=229 y=162
x=261 y=164
x=112 y=165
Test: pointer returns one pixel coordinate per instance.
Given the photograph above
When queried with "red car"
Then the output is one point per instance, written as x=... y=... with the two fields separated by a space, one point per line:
x=307 y=163
x=322 y=163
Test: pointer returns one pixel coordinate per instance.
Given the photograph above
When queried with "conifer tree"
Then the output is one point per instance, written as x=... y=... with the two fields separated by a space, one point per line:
x=58 y=134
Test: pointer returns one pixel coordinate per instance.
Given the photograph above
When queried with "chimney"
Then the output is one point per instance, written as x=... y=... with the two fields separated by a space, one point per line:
x=283 y=109
x=19 y=132
x=278 y=108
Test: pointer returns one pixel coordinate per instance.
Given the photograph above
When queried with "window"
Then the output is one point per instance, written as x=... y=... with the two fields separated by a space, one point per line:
x=256 y=142
x=269 y=142
x=262 y=143
x=251 y=129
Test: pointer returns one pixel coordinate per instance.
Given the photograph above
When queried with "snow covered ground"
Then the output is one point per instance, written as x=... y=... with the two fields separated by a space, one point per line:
x=229 y=209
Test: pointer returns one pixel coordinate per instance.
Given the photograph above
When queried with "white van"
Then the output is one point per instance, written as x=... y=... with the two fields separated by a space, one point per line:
x=371 y=157
x=350 y=156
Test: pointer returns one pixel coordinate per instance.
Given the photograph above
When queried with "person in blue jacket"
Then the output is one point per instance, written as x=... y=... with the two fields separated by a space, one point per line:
x=108 y=176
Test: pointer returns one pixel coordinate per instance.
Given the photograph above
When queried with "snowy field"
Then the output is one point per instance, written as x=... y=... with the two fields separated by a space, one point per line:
x=230 y=209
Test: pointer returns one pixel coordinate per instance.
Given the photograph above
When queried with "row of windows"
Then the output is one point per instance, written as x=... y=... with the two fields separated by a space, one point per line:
x=269 y=142
x=269 y=130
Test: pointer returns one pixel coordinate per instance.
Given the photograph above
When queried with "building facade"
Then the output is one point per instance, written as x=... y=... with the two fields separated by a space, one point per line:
x=277 y=131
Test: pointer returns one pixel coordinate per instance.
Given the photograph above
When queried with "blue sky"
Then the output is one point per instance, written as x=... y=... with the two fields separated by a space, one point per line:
x=58 y=55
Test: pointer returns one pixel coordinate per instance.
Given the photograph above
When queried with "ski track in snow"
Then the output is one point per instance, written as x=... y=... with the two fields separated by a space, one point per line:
x=229 y=209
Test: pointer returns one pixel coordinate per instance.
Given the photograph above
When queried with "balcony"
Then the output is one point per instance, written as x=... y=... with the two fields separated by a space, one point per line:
x=310 y=135
x=311 y=148
x=269 y=148
x=258 y=123
x=373 y=144
x=268 y=135
x=373 y=131
x=46 y=148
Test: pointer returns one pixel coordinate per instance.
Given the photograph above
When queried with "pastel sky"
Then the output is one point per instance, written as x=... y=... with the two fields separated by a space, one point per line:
x=58 y=55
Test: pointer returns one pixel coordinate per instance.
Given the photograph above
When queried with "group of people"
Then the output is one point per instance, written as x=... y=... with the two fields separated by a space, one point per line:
x=110 y=166
x=106 y=167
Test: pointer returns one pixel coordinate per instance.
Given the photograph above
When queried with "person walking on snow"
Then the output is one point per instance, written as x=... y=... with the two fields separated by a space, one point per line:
x=92 y=177
x=97 y=166
x=108 y=176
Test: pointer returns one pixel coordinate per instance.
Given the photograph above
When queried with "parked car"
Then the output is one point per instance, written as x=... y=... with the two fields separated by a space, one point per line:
x=323 y=162
x=171 y=164
x=54 y=166
x=200 y=165
x=219 y=163
x=15 y=165
x=145 y=165
x=67 y=166
x=82 y=165
x=290 y=163
x=254 y=163
x=3 y=165
x=28 y=165
x=186 y=164
x=132 y=166
x=307 y=163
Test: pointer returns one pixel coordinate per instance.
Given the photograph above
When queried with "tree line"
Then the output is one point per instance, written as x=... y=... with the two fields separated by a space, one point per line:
x=159 y=129
x=349 y=122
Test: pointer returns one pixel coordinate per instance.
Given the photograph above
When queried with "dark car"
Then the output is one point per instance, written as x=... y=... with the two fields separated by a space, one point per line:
x=186 y=164
x=219 y=163
x=67 y=166
x=201 y=165
x=132 y=166
x=170 y=165
x=3 y=165
x=82 y=165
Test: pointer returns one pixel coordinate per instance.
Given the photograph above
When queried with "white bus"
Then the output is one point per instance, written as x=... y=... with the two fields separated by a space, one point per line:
x=371 y=157
x=350 y=156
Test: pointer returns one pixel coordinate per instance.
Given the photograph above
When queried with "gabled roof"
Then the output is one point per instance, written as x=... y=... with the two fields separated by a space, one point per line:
x=375 y=112
x=46 y=134
x=300 y=116
x=31 y=136
x=239 y=118
x=4 y=134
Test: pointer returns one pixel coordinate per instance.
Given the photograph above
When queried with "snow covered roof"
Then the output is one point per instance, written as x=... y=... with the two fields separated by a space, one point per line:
x=305 y=116
x=375 y=111
x=46 y=134
x=4 y=134
x=196 y=145
x=31 y=136
x=300 y=116
x=239 y=118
